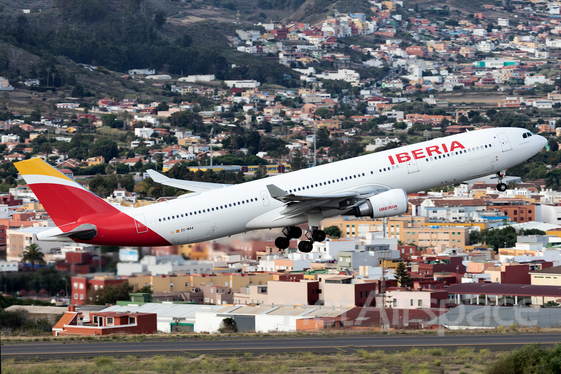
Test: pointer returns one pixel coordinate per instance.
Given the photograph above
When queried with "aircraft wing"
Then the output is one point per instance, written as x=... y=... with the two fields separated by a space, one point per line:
x=183 y=184
x=299 y=204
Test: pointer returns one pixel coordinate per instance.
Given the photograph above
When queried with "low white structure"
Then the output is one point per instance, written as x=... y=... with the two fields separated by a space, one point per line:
x=160 y=77
x=197 y=78
x=142 y=72
x=263 y=318
x=242 y=83
x=169 y=315
x=8 y=266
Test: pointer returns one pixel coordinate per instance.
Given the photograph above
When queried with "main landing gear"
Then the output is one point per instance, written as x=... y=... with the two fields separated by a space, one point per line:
x=501 y=186
x=294 y=232
x=291 y=232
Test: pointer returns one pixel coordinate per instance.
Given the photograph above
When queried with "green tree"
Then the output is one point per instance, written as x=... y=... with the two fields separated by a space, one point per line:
x=145 y=289
x=33 y=255
x=109 y=294
x=553 y=145
x=260 y=173
x=298 y=162
x=402 y=276
x=323 y=113
x=78 y=91
x=228 y=325
x=333 y=231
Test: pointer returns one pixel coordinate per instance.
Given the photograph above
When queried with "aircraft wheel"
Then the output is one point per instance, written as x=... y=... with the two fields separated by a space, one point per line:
x=501 y=187
x=318 y=236
x=294 y=232
x=305 y=246
x=282 y=243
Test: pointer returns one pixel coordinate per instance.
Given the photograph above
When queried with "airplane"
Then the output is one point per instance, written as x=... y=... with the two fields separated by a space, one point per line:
x=373 y=185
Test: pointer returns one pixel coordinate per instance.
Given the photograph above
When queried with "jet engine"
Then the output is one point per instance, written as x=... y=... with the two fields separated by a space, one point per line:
x=385 y=204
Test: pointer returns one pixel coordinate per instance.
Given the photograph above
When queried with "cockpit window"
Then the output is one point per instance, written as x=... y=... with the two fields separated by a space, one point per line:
x=525 y=135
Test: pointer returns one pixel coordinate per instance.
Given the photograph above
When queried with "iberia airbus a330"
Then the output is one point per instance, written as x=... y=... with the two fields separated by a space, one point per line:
x=374 y=185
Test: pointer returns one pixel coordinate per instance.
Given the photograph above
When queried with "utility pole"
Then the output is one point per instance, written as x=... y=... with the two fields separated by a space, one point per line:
x=210 y=142
x=315 y=138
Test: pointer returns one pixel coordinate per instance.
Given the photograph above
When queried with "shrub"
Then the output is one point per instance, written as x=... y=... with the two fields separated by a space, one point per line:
x=103 y=360
x=228 y=325
x=531 y=359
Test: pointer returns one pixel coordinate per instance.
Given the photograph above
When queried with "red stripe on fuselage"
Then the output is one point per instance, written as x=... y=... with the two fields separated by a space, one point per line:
x=119 y=230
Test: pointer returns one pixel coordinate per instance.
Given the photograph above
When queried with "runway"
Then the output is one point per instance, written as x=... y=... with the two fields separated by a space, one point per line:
x=319 y=344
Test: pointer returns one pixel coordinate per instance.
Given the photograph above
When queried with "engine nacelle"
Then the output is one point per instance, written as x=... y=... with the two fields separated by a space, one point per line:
x=385 y=204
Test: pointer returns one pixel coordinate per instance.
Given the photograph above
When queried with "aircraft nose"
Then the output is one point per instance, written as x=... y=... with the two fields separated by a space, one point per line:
x=542 y=141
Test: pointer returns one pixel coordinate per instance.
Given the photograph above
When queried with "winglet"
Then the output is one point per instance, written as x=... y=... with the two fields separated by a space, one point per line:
x=275 y=191
x=157 y=177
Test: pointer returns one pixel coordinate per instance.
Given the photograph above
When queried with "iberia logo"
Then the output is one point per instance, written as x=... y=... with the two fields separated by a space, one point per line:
x=383 y=209
x=425 y=152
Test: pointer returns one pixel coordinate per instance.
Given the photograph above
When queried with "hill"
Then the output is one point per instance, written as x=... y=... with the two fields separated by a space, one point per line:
x=120 y=35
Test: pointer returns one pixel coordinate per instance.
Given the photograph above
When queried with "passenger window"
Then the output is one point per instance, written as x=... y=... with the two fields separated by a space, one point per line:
x=160 y=220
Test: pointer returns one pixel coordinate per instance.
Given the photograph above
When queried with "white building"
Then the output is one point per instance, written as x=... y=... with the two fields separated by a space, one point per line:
x=168 y=314
x=197 y=78
x=142 y=72
x=263 y=318
x=160 y=77
x=5 y=85
x=164 y=265
x=10 y=138
x=553 y=43
x=346 y=75
x=9 y=266
x=70 y=106
x=535 y=79
x=19 y=239
x=145 y=132
x=242 y=83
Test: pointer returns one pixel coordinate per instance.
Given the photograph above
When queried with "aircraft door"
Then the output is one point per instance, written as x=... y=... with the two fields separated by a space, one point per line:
x=412 y=166
x=265 y=198
x=140 y=223
x=505 y=143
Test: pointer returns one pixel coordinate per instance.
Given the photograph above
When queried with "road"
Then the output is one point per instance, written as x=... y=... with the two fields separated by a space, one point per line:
x=323 y=344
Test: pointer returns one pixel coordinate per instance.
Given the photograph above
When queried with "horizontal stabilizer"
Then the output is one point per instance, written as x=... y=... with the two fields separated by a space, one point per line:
x=183 y=184
x=83 y=232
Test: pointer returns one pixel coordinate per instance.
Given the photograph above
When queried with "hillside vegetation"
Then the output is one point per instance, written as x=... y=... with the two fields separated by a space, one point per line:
x=120 y=35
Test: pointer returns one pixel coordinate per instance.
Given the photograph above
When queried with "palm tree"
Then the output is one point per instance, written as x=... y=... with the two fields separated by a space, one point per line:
x=33 y=255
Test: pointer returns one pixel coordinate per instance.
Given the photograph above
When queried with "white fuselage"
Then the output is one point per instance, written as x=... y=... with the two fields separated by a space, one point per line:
x=249 y=206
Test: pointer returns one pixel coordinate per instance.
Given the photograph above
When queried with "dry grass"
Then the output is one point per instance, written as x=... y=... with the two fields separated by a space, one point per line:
x=463 y=360
x=514 y=329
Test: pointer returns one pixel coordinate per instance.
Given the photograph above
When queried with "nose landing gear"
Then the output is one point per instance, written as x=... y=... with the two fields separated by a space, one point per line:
x=501 y=186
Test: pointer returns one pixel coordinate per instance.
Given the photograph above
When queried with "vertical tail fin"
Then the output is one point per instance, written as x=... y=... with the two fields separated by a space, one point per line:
x=65 y=200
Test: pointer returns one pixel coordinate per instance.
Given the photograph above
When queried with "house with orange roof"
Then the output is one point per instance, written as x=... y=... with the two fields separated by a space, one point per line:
x=105 y=323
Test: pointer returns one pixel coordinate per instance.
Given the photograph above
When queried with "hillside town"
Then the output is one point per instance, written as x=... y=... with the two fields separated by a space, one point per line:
x=461 y=249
